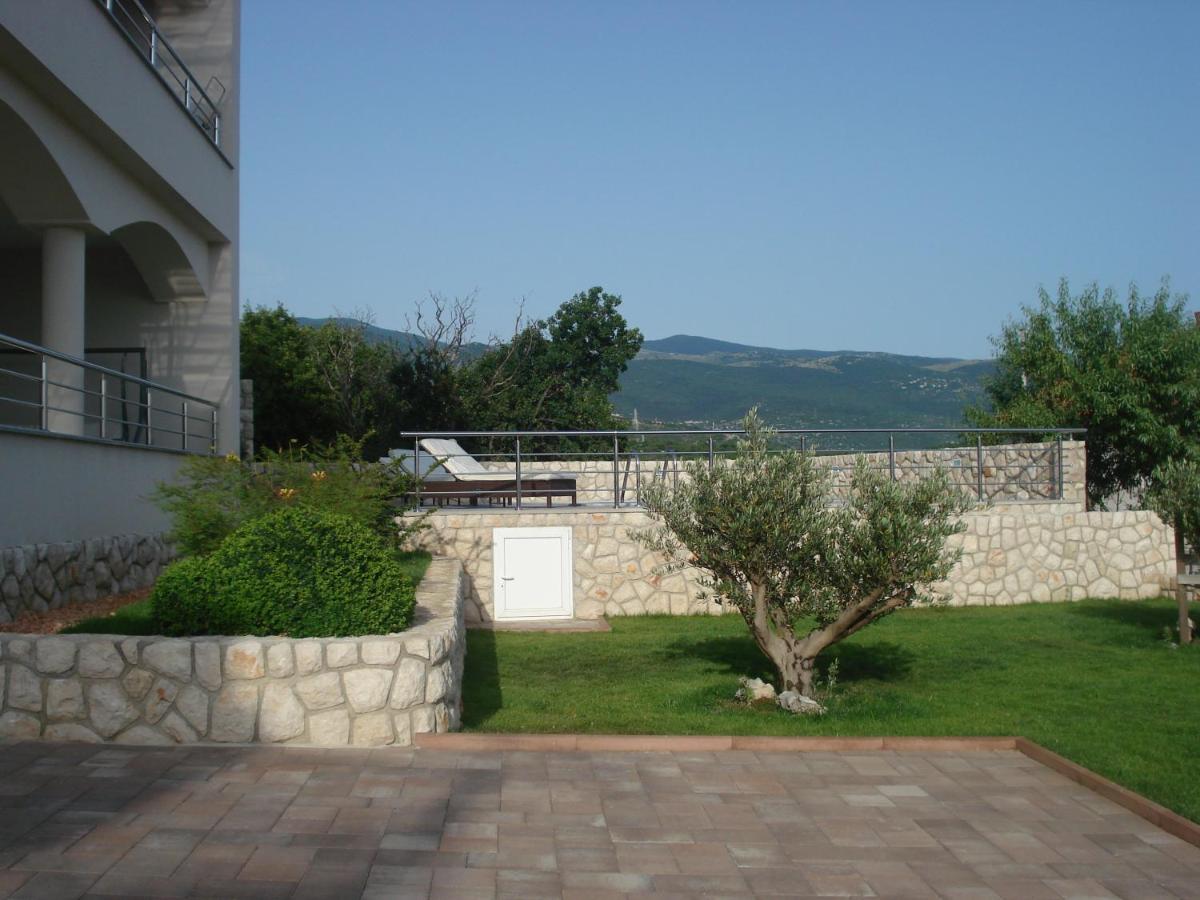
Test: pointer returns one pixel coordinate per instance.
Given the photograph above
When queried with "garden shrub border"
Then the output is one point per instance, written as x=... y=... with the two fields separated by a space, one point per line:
x=373 y=690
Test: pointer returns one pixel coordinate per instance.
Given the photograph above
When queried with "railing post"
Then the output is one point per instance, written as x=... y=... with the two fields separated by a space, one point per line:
x=518 y=494
x=616 y=470
x=216 y=129
x=979 y=466
x=153 y=46
x=183 y=437
x=637 y=475
x=149 y=416
x=103 y=406
x=213 y=430
x=803 y=443
x=710 y=453
x=892 y=455
x=1059 y=449
x=187 y=93
x=45 y=395
x=417 y=469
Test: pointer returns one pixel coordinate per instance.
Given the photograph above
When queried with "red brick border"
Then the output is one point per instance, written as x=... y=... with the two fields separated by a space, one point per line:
x=1157 y=815
x=684 y=743
x=1168 y=821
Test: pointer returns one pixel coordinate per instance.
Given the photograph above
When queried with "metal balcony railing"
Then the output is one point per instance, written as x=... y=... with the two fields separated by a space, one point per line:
x=43 y=391
x=610 y=468
x=140 y=30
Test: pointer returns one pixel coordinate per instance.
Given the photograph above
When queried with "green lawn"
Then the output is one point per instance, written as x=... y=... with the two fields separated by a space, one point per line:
x=1094 y=681
x=136 y=618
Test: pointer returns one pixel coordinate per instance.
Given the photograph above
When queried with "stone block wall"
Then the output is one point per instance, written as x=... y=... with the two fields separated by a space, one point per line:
x=1011 y=472
x=614 y=575
x=1038 y=557
x=329 y=692
x=1010 y=555
x=246 y=419
x=38 y=577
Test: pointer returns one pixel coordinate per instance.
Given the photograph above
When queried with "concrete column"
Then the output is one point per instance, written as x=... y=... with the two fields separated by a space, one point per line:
x=62 y=325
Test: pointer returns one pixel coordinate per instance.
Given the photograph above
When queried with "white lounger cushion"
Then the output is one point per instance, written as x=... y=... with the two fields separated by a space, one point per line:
x=465 y=467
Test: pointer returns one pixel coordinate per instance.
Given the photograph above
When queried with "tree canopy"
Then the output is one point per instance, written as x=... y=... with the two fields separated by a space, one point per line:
x=1127 y=371
x=313 y=384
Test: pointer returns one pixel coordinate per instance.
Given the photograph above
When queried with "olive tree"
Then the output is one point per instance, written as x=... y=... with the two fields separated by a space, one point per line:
x=1175 y=495
x=804 y=567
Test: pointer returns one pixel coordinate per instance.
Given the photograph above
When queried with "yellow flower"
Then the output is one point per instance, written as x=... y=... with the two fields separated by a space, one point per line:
x=285 y=493
x=318 y=475
x=232 y=458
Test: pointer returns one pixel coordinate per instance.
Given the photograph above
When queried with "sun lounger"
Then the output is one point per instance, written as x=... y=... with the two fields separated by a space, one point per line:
x=459 y=476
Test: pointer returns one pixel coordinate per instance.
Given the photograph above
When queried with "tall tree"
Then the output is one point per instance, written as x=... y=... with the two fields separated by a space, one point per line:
x=1127 y=371
x=353 y=372
x=427 y=376
x=289 y=400
x=555 y=374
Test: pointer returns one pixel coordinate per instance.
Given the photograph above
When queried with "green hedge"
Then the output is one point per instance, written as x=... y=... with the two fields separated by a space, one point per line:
x=297 y=572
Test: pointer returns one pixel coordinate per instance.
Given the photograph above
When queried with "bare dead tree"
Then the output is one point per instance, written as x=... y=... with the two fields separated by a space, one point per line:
x=444 y=325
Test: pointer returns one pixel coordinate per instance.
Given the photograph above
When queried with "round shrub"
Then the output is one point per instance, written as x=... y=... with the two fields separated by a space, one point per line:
x=297 y=572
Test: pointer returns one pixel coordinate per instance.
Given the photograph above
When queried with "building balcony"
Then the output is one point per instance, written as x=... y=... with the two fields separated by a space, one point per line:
x=144 y=36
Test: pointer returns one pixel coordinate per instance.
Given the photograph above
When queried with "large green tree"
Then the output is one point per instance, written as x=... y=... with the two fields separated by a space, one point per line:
x=313 y=384
x=289 y=399
x=555 y=374
x=1128 y=371
x=804 y=569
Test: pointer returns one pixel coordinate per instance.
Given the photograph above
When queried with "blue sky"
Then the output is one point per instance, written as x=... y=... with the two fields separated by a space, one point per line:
x=894 y=176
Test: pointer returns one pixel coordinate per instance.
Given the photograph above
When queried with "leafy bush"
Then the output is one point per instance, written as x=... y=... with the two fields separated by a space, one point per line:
x=216 y=495
x=299 y=572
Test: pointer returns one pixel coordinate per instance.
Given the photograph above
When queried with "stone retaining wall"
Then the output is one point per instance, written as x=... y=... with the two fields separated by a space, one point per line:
x=38 y=577
x=329 y=692
x=1009 y=557
x=1011 y=472
x=1038 y=557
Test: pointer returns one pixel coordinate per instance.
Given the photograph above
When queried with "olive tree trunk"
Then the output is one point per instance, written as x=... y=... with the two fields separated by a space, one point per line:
x=795 y=657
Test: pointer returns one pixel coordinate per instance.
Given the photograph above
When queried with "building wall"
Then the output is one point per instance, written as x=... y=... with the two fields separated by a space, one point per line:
x=1011 y=555
x=86 y=70
x=56 y=489
x=141 y=175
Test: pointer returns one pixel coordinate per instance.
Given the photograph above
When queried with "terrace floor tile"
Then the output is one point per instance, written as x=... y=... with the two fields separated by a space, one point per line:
x=268 y=822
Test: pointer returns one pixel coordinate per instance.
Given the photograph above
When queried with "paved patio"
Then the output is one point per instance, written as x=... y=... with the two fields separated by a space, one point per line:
x=83 y=820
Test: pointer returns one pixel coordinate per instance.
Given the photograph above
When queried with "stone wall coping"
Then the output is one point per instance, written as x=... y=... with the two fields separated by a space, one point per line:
x=599 y=510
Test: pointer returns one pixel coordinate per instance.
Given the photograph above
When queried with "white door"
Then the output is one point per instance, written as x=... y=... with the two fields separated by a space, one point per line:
x=532 y=572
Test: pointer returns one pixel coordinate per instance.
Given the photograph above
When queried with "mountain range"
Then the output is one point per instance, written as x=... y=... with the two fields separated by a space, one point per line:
x=684 y=379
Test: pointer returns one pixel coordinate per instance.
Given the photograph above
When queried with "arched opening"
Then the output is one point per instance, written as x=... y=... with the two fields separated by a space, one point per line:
x=32 y=185
x=166 y=269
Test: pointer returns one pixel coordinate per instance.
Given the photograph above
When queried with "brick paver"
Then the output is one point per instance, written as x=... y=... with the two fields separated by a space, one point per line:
x=90 y=821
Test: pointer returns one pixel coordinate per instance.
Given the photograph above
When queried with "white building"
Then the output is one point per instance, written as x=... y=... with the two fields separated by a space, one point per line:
x=118 y=248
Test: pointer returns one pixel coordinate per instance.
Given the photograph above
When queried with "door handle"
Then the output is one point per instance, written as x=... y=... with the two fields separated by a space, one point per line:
x=502 y=578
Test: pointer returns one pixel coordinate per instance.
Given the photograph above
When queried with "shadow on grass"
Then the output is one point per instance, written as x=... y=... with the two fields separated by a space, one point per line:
x=881 y=661
x=1150 y=619
x=482 y=697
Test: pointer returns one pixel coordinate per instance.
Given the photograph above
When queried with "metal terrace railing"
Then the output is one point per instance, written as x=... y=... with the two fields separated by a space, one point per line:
x=610 y=468
x=43 y=391
x=142 y=32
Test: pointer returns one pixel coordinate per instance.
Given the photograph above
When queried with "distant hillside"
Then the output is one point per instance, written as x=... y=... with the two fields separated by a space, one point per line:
x=696 y=379
x=684 y=378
